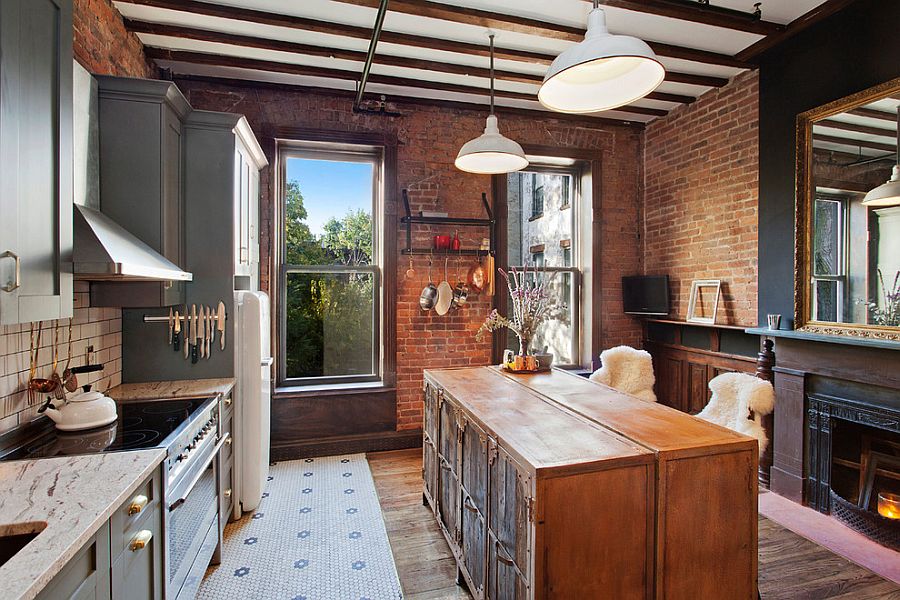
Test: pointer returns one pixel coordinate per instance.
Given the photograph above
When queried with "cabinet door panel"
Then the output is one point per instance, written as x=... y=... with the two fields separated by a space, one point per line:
x=473 y=533
x=473 y=465
x=698 y=392
x=431 y=412
x=504 y=581
x=36 y=159
x=508 y=507
x=448 y=432
x=448 y=503
x=430 y=468
x=137 y=573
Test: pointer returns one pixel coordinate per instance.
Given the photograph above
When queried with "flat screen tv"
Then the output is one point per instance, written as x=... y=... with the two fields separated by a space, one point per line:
x=646 y=294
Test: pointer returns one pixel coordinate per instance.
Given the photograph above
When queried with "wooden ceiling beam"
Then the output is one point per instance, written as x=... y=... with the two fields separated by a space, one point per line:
x=452 y=104
x=706 y=14
x=539 y=28
x=826 y=9
x=310 y=71
x=874 y=114
x=891 y=133
x=354 y=55
x=834 y=139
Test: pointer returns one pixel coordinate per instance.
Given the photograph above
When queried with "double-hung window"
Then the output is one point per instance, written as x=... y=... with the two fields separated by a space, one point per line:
x=331 y=275
x=829 y=272
x=550 y=244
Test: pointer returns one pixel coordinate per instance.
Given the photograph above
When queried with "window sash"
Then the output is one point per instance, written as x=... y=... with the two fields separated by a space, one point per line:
x=354 y=153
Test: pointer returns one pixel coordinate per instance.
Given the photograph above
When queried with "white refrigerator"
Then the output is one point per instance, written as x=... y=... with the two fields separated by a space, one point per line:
x=253 y=369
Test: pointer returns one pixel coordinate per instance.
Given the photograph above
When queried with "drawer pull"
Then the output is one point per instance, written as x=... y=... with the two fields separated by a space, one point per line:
x=469 y=506
x=137 y=504
x=229 y=441
x=227 y=493
x=227 y=400
x=140 y=540
x=14 y=284
x=500 y=555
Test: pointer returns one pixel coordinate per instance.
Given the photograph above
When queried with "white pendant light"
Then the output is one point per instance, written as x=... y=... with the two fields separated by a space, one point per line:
x=887 y=194
x=491 y=153
x=603 y=72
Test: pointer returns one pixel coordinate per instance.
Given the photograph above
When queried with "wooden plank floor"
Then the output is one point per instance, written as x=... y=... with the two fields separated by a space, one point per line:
x=790 y=567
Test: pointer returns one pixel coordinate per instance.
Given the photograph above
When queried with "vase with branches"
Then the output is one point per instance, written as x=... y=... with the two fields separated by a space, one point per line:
x=530 y=305
x=887 y=313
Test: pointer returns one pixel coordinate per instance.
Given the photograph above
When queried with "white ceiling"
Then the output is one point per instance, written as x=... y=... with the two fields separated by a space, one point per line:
x=650 y=27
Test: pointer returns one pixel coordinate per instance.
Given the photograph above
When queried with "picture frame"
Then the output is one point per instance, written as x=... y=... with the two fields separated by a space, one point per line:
x=703 y=306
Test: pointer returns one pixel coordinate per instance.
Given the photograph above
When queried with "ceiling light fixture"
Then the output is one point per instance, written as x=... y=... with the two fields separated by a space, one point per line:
x=491 y=153
x=603 y=72
x=887 y=194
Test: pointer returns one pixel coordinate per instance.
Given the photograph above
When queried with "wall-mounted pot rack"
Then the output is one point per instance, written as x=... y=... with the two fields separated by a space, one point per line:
x=409 y=220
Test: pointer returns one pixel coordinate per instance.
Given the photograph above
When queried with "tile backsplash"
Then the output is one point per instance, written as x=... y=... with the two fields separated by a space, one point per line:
x=99 y=328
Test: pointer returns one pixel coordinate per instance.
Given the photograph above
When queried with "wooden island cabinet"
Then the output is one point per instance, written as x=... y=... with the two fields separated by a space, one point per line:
x=553 y=486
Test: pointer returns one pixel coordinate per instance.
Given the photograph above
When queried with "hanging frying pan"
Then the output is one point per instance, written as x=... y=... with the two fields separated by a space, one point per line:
x=445 y=294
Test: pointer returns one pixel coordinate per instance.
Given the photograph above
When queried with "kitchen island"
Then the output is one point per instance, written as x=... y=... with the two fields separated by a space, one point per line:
x=66 y=501
x=552 y=486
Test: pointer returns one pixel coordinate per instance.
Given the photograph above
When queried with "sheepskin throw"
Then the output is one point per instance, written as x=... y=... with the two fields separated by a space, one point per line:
x=628 y=370
x=734 y=396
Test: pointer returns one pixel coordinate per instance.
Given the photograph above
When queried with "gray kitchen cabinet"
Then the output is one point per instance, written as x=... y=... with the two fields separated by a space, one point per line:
x=35 y=160
x=141 y=125
x=86 y=575
x=124 y=559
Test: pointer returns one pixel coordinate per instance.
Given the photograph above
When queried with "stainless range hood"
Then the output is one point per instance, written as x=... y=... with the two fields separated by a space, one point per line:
x=104 y=251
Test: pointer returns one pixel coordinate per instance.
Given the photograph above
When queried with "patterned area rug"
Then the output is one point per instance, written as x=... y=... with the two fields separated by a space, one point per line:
x=318 y=534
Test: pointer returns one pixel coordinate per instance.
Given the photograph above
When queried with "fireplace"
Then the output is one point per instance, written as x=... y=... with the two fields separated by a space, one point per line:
x=853 y=454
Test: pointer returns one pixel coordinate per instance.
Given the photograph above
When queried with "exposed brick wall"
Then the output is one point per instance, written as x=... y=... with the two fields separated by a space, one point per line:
x=429 y=138
x=701 y=165
x=103 y=45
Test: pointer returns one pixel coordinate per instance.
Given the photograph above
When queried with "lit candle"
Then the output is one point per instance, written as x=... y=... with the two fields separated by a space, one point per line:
x=889 y=505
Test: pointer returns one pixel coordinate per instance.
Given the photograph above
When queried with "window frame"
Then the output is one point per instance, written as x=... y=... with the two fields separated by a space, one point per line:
x=576 y=173
x=340 y=152
x=840 y=278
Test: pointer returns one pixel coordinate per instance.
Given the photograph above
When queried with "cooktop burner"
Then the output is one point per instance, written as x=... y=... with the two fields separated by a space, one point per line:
x=139 y=425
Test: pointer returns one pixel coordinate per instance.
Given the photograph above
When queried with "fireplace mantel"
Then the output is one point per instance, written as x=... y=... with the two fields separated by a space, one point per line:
x=846 y=340
x=801 y=362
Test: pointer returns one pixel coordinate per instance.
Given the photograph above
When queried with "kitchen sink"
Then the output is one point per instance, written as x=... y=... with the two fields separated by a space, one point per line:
x=15 y=537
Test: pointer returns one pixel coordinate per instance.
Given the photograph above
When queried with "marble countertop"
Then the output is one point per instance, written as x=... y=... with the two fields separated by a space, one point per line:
x=171 y=389
x=74 y=496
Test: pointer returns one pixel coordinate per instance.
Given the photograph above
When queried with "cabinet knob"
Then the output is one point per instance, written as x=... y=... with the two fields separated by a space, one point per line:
x=140 y=540
x=227 y=400
x=229 y=441
x=227 y=493
x=137 y=504
x=14 y=284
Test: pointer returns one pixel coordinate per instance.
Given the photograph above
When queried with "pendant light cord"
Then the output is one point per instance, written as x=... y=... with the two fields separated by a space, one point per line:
x=491 y=36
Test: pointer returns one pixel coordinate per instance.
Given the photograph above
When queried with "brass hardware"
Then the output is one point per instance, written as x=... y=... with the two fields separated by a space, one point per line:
x=140 y=540
x=228 y=401
x=14 y=284
x=227 y=493
x=229 y=441
x=137 y=504
x=529 y=508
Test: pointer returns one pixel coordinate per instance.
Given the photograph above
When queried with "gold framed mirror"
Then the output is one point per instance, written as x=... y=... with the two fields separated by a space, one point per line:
x=847 y=230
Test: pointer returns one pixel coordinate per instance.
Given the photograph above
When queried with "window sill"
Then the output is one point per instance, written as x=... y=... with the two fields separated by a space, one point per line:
x=535 y=217
x=297 y=391
x=565 y=206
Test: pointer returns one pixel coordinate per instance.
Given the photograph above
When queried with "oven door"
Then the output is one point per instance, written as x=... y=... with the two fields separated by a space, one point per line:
x=192 y=524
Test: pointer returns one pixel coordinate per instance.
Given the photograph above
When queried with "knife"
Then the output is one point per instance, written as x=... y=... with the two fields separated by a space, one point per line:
x=194 y=334
x=176 y=338
x=186 y=330
x=211 y=330
x=220 y=324
x=202 y=351
x=171 y=326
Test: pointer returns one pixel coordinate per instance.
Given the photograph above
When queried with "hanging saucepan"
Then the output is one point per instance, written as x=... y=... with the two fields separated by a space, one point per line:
x=460 y=292
x=445 y=294
x=429 y=294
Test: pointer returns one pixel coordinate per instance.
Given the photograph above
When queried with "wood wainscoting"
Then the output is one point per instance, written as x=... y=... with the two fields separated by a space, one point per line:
x=687 y=356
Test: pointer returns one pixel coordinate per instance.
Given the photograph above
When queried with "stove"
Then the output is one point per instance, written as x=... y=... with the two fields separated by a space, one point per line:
x=144 y=424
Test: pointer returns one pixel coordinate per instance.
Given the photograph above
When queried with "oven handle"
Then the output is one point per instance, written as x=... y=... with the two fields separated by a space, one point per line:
x=200 y=473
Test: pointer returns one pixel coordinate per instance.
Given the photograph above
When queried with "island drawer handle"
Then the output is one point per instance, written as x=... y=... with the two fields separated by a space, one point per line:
x=140 y=540
x=137 y=504
x=500 y=552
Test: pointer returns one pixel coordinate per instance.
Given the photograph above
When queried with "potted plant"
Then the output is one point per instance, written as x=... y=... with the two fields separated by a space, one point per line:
x=531 y=305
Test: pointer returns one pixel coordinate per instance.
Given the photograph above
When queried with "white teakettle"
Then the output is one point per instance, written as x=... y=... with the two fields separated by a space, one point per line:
x=83 y=409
